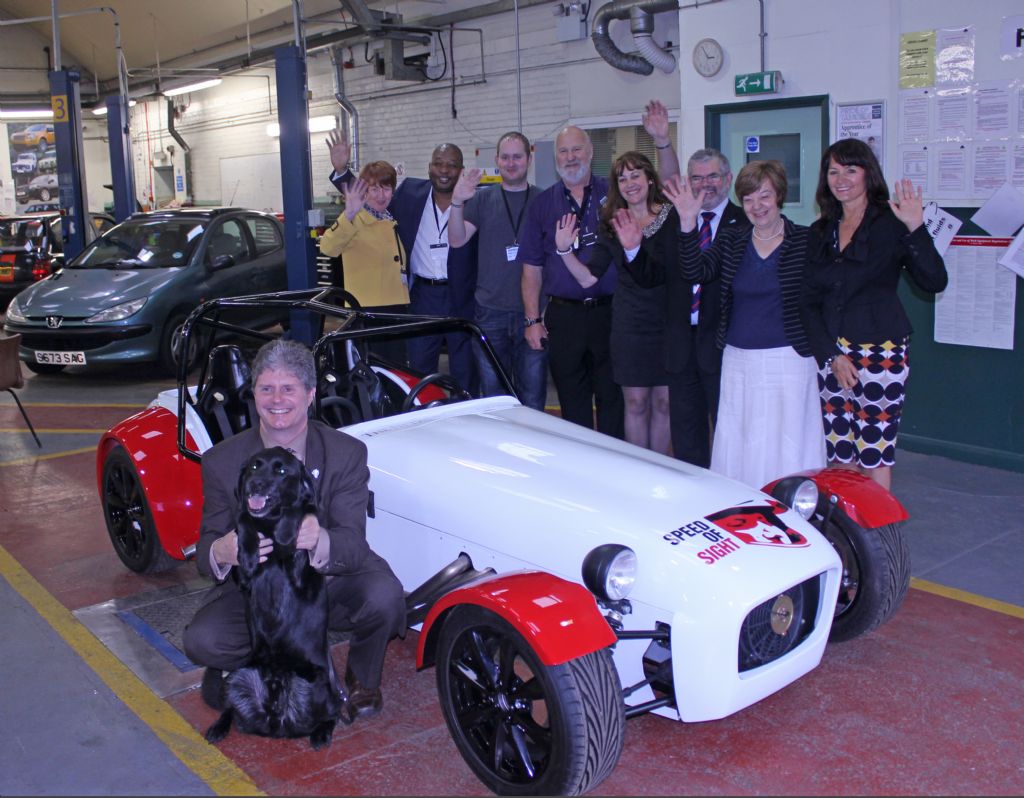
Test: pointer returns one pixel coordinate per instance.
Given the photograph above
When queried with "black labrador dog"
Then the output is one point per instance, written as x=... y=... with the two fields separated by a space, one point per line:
x=289 y=688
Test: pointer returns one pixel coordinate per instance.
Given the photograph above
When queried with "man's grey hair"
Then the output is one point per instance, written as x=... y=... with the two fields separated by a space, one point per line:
x=286 y=355
x=706 y=154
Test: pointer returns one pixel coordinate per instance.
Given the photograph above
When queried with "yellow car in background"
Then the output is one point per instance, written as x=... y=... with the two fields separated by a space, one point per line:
x=40 y=135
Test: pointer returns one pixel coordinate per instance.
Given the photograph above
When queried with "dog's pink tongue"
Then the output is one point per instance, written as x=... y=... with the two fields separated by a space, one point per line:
x=257 y=503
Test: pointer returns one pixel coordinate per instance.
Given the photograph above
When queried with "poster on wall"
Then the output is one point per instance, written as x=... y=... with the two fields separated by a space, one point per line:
x=864 y=121
x=33 y=166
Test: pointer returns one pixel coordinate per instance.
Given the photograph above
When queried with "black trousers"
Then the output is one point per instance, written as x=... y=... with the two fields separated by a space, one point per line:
x=693 y=407
x=579 y=357
x=370 y=604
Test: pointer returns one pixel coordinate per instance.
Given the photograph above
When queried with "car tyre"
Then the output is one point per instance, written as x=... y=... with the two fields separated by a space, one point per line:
x=44 y=194
x=170 y=345
x=43 y=368
x=129 y=520
x=876 y=574
x=523 y=727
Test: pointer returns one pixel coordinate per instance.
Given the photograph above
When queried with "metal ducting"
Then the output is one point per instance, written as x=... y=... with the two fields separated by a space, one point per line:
x=640 y=13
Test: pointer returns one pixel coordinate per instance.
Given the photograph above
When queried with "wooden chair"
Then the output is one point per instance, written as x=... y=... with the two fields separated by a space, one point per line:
x=10 y=376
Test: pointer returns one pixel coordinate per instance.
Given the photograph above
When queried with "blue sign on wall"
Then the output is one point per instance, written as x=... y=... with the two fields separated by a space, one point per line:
x=179 y=183
x=752 y=144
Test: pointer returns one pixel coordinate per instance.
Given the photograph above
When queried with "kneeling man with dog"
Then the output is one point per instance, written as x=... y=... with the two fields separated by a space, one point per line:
x=364 y=596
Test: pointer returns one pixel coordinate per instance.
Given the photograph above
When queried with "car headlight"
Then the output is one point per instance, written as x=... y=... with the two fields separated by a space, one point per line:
x=609 y=571
x=798 y=493
x=14 y=312
x=118 y=312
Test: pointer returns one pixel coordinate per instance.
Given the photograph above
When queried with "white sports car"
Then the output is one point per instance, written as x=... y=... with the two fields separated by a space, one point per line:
x=562 y=581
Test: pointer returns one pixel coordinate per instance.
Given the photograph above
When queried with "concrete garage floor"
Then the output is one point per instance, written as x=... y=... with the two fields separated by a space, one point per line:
x=928 y=704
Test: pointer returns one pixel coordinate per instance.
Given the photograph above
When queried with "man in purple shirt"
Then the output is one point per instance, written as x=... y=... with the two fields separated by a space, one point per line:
x=572 y=322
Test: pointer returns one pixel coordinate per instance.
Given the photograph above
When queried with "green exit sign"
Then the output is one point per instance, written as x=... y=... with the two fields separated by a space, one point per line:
x=758 y=83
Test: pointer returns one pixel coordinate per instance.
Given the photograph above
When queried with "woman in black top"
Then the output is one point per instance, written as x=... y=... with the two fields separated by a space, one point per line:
x=855 y=322
x=636 y=217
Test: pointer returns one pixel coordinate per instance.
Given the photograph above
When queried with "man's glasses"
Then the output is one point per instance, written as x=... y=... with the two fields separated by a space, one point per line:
x=696 y=180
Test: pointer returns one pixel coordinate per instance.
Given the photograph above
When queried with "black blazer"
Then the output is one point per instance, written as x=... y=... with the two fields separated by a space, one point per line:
x=407 y=204
x=338 y=464
x=853 y=293
x=722 y=259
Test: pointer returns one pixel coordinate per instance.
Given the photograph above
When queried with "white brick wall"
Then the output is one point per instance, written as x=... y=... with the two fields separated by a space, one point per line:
x=403 y=121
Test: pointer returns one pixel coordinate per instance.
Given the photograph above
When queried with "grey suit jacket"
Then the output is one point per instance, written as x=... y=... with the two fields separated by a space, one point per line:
x=338 y=464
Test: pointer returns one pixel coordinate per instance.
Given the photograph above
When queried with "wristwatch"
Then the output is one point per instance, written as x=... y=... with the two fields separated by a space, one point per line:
x=531 y=322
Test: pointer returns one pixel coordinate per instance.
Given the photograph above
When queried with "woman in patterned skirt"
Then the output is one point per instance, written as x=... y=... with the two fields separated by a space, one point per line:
x=856 y=324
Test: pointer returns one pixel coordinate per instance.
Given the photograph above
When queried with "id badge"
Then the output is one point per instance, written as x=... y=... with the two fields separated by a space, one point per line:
x=512 y=252
x=439 y=257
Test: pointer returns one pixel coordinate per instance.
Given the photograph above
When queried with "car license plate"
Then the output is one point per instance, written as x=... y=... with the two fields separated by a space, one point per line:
x=61 y=358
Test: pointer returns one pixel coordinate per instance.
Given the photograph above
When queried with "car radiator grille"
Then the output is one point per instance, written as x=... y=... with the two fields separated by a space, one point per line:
x=779 y=625
x=58 y=342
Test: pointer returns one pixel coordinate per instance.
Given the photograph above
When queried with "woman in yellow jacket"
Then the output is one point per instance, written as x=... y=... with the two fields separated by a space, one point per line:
x=374 y=264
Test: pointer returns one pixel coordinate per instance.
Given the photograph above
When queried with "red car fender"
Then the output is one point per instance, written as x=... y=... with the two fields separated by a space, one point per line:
x=173 y=484
x=560 y=619
x=863 y=500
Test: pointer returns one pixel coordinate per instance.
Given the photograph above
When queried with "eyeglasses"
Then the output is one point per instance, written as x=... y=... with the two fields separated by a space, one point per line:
x=696 y=180
x=378 y=188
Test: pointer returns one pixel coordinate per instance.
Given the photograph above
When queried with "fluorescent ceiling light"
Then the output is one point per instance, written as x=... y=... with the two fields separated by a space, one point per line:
x=204 y=84
x=318 y=124
x=26 y=113
x=101 y=110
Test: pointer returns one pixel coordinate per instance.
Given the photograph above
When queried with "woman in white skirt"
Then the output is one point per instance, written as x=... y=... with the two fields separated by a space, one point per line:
x=769 y=416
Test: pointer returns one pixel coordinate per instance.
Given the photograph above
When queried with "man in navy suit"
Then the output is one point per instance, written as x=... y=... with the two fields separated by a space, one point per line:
x=693 y=395
x=443 y=278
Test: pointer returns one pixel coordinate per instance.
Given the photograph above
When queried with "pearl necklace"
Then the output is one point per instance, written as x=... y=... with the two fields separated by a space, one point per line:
x=773 y=235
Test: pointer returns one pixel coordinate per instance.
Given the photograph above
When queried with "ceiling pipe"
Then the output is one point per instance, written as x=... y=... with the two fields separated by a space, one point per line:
x=641 y=24
x=185 y=149
x=352 y=115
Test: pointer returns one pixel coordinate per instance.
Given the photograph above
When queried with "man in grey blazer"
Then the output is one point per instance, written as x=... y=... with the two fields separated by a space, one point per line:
x=364 y=595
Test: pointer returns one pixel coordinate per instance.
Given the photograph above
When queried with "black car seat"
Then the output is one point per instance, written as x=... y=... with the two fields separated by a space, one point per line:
x=225 y=402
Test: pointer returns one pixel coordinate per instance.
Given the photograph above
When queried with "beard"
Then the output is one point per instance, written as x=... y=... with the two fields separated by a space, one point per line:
x=573 y=174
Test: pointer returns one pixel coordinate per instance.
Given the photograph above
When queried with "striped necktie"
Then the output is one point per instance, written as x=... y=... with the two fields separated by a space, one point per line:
x=703 y=241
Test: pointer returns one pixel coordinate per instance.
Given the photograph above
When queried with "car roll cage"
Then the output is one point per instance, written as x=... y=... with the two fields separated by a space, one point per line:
x=326 y=303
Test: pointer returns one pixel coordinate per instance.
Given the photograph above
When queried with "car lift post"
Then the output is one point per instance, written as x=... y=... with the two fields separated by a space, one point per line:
x=296 y=180
x=121 y=173
x=67 y=112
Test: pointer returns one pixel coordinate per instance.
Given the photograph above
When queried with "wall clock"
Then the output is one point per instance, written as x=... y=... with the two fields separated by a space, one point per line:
x=708 y=57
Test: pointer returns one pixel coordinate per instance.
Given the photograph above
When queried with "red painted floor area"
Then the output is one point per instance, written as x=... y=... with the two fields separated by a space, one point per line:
x=929 y=704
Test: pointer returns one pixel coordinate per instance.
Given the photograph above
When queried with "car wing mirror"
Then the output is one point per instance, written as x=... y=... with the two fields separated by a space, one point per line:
x=222 y=262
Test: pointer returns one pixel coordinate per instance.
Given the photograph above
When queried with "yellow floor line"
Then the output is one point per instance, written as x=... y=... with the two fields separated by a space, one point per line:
x=968 y=598
x=203 y=759
x=50 y=456
x=52 y=430
x=82 y=404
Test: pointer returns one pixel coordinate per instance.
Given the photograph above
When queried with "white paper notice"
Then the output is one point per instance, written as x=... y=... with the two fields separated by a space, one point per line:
x=953 y=114
x=1017 y=165
x=951 y=171
x=992 y=109
x=991 y=168
x=1003 y=213
x=954 y=56
x=915 y=115
x=941 y=226
x=914 y=167
x=976 y=309
x=1013 y=259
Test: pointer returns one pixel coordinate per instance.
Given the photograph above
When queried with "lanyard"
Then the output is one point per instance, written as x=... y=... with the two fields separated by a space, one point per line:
x=581 y=213
x=508 y=210
x=437 y=222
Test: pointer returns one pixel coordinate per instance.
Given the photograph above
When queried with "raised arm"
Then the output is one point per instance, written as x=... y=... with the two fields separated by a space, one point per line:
x=655 y=120
x=459 y=230
x=920 y=257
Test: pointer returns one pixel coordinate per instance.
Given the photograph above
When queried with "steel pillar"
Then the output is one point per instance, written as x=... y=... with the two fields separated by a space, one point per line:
x=67 y=125
x=296 y=179
x=122 y=174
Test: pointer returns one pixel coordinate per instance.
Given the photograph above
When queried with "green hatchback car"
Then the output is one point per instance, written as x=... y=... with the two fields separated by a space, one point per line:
x=126 y=296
